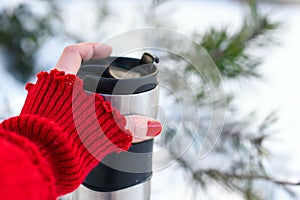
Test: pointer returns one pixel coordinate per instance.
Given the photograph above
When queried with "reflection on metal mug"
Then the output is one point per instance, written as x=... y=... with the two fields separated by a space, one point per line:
x=131 y=86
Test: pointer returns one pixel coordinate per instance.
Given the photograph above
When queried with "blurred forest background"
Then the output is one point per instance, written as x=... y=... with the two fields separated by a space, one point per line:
x=33 y=34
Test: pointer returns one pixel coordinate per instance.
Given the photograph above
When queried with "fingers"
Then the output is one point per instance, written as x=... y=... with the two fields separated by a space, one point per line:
x=73 y=55
x=143 y=128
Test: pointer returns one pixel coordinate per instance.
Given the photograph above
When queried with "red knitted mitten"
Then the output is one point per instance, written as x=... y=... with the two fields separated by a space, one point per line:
x=73 y=129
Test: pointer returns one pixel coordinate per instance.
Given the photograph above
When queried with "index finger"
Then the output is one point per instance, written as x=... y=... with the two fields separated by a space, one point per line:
x=142 y=127
x=73 y=55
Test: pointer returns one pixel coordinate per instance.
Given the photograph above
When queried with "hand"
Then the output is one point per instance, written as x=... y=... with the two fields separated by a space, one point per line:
x=73 y=55
x=143 y=128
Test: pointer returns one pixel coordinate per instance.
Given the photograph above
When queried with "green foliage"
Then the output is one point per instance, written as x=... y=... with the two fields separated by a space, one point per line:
x=232 y=53
x=241 y=142
x=21 y=34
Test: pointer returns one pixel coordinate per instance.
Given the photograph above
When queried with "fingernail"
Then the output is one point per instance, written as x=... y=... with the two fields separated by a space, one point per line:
x=154 y=128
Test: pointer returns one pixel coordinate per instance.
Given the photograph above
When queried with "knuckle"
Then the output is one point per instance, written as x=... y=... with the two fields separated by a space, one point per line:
x=70 y=49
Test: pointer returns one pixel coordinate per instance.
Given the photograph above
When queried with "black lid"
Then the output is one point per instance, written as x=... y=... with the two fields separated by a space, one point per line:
x=120 y=75
x=104 y=178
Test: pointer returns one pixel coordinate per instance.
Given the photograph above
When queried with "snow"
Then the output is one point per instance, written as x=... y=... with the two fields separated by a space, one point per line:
x=279 y=90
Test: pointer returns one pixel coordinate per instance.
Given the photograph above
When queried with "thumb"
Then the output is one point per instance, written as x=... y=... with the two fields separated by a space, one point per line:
x=73 y=55
x=143 y=128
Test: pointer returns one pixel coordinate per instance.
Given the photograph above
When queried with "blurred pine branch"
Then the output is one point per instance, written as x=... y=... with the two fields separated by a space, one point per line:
x=22 y=32
x=233 y=53
x=234 y=56
x=241 y=141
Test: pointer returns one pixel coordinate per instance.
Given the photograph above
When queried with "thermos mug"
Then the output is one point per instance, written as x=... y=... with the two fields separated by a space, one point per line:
x=131 y=86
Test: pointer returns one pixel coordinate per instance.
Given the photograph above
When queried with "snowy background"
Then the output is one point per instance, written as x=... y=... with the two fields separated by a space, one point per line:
x=278 y=90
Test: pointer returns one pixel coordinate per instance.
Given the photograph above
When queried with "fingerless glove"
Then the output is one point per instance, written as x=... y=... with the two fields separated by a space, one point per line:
x=72 y=129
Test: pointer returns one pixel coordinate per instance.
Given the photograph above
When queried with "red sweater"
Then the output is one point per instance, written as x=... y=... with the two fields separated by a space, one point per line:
x=61 y=134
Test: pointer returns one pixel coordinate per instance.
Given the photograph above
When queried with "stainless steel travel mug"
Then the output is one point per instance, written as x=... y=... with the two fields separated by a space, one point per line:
x=131 y=85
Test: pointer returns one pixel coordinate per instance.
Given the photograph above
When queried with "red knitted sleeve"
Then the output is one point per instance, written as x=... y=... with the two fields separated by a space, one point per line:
x=24 y=173
x=72 y=130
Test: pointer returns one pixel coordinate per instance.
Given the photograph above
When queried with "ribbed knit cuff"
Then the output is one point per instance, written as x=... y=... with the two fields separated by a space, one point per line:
x=68 y=160
x=25 y=173
x=67 y=167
